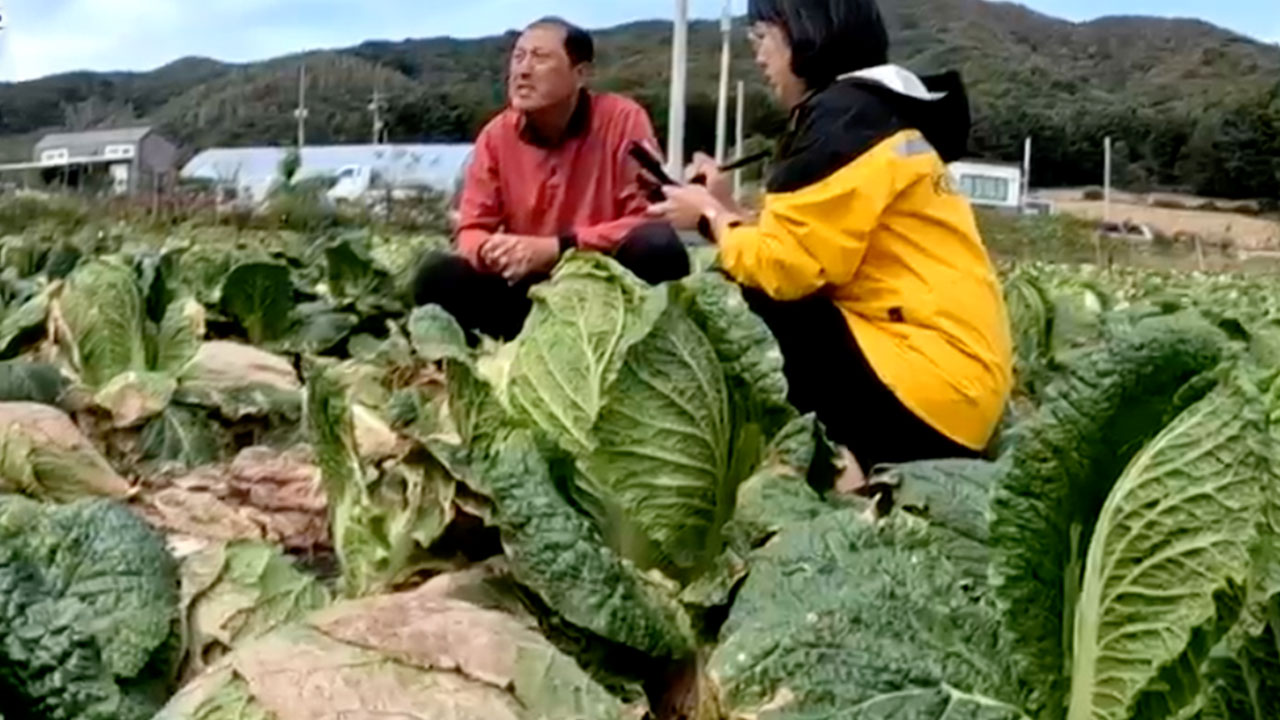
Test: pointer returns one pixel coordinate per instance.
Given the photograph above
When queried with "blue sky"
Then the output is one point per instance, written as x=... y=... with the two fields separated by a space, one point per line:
x=41 y=37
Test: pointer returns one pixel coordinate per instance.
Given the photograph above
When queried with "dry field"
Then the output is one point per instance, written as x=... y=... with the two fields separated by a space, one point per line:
x=1237 y=230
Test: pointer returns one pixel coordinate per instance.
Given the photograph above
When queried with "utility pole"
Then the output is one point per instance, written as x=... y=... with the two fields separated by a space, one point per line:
x=679 y=78
x=740 y=120
x=379 y=124
x=1026 y=171
x=722 y=107
x=301 y=113
x=1106 y=181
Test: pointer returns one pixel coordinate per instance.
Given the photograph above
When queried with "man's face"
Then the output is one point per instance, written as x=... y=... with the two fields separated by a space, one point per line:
x=541 y=74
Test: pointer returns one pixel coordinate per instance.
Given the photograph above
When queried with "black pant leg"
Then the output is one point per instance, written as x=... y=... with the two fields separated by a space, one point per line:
x=829 y=375
x=655 y=253
x=481 y=302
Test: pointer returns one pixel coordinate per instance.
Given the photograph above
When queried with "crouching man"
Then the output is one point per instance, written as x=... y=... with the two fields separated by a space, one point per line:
x=550 y=173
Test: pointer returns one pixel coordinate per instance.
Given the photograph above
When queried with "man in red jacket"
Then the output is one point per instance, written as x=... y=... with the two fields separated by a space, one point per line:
x=552 y=172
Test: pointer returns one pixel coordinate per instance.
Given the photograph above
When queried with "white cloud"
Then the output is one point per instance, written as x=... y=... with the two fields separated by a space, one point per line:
x=84 y=34
x=131 y=34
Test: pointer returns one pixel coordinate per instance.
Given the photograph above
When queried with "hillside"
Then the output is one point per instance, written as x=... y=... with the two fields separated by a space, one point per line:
x=1190 y=105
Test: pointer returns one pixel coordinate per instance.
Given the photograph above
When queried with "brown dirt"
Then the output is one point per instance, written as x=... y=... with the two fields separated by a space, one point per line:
x=1236 y=230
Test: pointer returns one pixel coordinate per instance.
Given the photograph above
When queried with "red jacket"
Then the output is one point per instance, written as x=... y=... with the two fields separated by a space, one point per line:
x=587 y=185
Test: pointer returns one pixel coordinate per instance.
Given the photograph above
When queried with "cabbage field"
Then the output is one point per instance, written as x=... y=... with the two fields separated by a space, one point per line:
x=242 y=478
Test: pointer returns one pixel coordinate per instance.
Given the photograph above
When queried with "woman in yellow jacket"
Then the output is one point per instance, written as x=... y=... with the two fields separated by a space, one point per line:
x=865 y=261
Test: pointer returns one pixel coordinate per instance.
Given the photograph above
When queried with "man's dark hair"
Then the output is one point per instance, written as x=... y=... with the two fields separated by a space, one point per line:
x=578 y=44
x=828 y=37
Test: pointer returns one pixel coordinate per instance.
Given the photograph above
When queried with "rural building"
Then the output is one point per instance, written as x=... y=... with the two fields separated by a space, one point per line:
x=122 y=161
x=989 y=184
x=254 y=171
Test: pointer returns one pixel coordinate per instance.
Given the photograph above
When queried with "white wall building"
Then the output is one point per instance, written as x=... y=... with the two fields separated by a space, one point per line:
x=989 y=184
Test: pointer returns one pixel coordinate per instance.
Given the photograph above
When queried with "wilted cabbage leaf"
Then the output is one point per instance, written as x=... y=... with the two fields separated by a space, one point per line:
x=134 y=397
x=414 y=655
x=89 y=605
x=44 y=455
x=260 y=297
x=383 y=518
x=840 y=618
x=241 y=381
x=102 y=308
x=263 y=494
x=1175 y=533
x=237 y=592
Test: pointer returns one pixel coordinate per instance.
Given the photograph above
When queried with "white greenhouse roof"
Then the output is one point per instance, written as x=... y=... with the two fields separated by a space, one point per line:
x=256 y=169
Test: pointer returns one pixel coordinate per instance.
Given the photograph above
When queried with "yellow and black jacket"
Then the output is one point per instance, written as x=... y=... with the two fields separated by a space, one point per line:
x=861 y=209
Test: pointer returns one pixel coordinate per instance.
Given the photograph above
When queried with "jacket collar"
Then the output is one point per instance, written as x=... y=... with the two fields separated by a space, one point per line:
x=579 y=124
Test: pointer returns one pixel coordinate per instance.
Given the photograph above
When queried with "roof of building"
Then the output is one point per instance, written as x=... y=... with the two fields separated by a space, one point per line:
x=114 y=136
x=979 y=162
x=256 y=169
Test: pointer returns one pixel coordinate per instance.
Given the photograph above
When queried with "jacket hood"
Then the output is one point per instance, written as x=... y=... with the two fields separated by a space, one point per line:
x=936 y=105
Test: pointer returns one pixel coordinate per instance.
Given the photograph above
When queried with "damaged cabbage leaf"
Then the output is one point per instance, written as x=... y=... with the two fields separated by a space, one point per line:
x=405 y=654
x=134 y=397
x=44 y=455
x=234 y=593
x=840 y=618
x=241 y=381
x=383 y=518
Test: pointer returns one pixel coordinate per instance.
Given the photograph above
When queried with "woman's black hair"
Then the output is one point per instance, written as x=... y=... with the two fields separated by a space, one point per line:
x=578 y=44
x=828 y=37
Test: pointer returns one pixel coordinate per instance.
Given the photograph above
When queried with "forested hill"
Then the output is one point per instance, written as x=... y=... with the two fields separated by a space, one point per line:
x=1190 y=105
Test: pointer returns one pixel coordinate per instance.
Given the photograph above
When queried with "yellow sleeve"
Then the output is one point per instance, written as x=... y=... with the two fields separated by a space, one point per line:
x=815 y=236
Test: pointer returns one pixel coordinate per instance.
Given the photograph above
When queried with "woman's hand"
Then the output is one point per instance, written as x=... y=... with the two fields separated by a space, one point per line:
x=719 y=183
x=686 y=205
